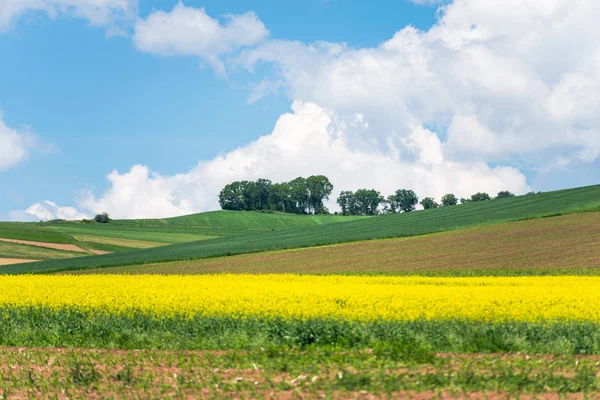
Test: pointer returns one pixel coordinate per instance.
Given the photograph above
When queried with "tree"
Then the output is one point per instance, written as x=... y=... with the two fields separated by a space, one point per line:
x=390 y=205
x=465 y=201
x=319 y=189
x=347 y=203
x=449 y=200
x=102 y=218
x=428 y=203
x=403 y=200
x=232 y=197
x=367 y=201
x=504 y=194
x=260 y=191
x=300 y=195
x=479 y=196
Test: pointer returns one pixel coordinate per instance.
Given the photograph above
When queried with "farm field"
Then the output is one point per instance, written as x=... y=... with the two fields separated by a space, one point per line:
x=569 y=201
x=559 y=245
x=289 y=335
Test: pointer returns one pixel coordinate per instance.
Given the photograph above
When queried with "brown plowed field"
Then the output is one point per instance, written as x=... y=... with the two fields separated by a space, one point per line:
x=564 y=244
x=55 y=246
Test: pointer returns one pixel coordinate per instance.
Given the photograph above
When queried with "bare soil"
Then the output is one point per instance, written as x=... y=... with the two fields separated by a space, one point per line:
x=9 y=261
x=55 y=246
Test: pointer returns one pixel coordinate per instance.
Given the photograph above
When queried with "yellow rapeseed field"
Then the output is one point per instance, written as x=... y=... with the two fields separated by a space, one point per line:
x=344 y=297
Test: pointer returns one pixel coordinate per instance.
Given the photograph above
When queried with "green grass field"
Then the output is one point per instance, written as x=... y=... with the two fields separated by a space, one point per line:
x=33 y=232
x=236 y=220
x=390 y=226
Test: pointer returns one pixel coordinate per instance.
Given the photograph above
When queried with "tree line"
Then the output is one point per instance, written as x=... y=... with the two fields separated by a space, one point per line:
x=371 y=202
x=298 y=196
x=308 y=196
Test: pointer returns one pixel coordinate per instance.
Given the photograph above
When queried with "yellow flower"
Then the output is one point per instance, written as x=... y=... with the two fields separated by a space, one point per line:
x=340 y=297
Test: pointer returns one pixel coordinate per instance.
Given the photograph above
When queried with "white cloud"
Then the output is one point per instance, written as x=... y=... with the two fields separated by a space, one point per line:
x=499 y=81
x=96 y=12
x=188 y=31
x=311 y=140
x=14 y=146
x=45 y=211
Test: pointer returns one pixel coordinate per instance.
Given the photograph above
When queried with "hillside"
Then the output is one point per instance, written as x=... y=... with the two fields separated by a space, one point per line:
x=400 y=225
x=565 y=244
x=79 y=238
x=240 y=220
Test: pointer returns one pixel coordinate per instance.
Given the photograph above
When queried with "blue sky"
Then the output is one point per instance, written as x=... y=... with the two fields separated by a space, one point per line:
x=98 y=102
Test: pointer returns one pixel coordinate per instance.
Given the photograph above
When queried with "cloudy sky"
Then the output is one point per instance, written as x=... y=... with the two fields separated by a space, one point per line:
x=147 y=108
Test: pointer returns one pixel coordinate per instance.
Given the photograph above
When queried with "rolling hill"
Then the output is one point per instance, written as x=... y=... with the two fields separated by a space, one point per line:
x=80 y=238
x=546 y=246
x=389 y=226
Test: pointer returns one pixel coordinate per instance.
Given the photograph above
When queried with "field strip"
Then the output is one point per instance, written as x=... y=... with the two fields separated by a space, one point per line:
x=9 y=261
x=55 y=246
x=99 y=252
x=133 y=243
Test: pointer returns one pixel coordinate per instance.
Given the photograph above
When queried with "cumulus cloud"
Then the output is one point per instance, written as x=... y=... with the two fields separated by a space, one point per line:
x=14 y=146
x=45 y=211
x=310 y=140
x=497 y=81
x=96 y=12
x=188 y=31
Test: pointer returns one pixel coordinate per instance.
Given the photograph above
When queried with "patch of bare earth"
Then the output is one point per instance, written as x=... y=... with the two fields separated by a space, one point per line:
x=9 y=261
x=55 y=246
x=99 y=252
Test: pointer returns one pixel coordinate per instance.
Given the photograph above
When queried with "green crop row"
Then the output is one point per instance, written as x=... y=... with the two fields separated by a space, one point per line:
x=64 y=327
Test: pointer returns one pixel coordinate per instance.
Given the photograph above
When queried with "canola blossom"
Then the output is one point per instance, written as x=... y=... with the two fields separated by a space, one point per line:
x=356 y=298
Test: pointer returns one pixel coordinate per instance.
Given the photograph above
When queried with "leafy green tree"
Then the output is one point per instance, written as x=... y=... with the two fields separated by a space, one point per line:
x=428 y=203
x=449 y=200
x=390 y=205
x=504 y=194
x=319 y=190
x=102 y=218
x=367 y=202
x=347 y=203
x=403 y=200
x=260 y=191
x=479 y=196
x=300 y=195
x=465 y=201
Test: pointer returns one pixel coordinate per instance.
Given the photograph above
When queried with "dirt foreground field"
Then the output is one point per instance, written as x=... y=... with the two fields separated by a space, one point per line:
x=79 y=373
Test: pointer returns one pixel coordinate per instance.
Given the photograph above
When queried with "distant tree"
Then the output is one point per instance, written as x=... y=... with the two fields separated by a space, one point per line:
x=319 y=190
x=449 y=200
x=465 y=201
x=504 y=194
x=479 y=196
x=529 y=193
x=300 y=195
x=429 y=203
x=260 y=191
x=347 y=203
x=403 y=200
x=102 y=218
x=232 y=197
x=367 y=201
x=390 y=205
